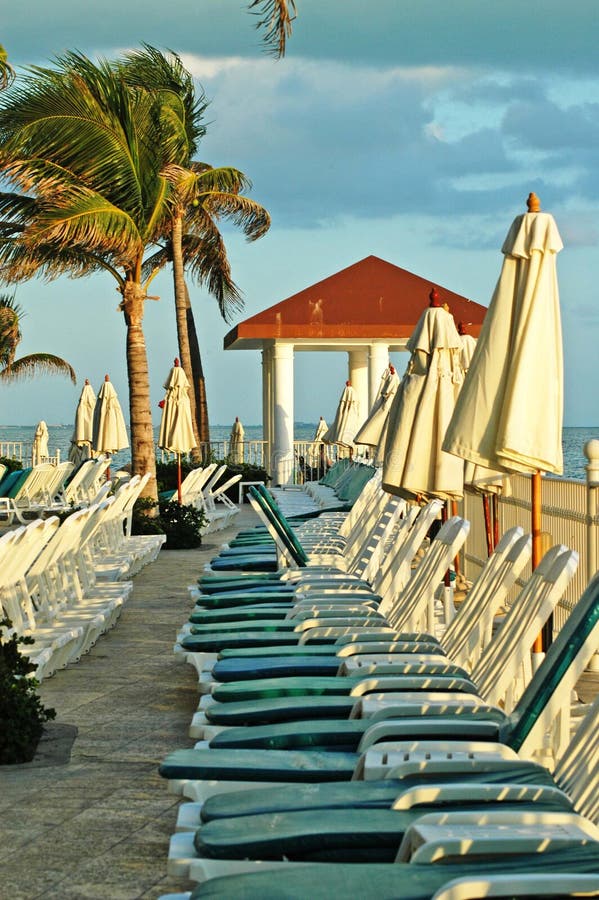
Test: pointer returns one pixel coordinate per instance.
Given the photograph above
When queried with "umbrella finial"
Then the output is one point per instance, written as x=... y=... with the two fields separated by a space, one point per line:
x=87 y=381
x=177 y=363
x=434 y=299
x=391 y=369
x=533 y=203
x=106 y=378
x=348 y=384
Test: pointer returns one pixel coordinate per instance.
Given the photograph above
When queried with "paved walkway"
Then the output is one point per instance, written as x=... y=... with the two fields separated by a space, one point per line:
x=97 y=825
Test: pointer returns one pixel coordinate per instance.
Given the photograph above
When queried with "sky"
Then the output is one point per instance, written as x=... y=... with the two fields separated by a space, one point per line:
x=408 y=129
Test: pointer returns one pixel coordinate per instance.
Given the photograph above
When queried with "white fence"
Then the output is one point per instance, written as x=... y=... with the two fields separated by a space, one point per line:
x=568 y=516
x=24 y=453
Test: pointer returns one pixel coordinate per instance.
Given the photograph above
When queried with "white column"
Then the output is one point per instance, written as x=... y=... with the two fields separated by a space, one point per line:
x=282 y=437
x=358 y=375
x=267 y=403
x=378 y=360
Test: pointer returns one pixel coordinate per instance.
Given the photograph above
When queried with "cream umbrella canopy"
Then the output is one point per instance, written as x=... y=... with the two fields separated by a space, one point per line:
x=176 y=427
x=236 y=442
x=81 y=440
x=374 y=430
x=109 y=434
x=347 y=420
x=414 y=466
x=315 y=450
x=39 y=450
x=509 y=414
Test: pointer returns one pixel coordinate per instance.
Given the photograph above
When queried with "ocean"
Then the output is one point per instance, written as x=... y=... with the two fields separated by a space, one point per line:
x=573 y=441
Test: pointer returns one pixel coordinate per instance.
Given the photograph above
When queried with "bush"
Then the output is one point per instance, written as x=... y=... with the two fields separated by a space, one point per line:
x=11 y=464
x=22 y=714
x=182 y=524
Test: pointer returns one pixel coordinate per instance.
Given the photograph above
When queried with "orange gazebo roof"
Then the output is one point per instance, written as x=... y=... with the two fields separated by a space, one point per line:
x=369 y=300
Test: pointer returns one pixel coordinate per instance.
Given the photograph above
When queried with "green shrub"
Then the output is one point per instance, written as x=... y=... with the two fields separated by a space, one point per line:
x=182 y=524
x=11 y=464
x=22 y=714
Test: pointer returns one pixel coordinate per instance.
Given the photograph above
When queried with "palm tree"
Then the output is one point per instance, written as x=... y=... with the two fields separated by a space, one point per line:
x=12 y=369
x=277 y=16
x=7 y=73
x=85 y=152
x=202 y=195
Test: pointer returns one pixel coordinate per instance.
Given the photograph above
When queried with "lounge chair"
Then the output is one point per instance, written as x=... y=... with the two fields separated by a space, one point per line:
x=415 y=608
x=462 y=642
x=365 y=821
x=539 y=709
x=31 y=491
x=257 y=700
x=343 y=721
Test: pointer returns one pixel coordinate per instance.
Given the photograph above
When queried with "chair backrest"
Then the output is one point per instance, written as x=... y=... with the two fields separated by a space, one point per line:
x=547 y=696
x=31 y=488
x=505 y=665
x=3 y=470
x=577 y=770
x=277 y=513
x=413 y=609
x=274 y=526
x=471 y=629
x=410 y=539
x=12 y=481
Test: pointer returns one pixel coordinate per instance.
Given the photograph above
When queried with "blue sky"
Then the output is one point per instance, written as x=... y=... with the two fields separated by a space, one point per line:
x=409 y=129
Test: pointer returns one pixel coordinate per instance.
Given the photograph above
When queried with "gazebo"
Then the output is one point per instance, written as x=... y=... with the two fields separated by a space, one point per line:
x=366 y=310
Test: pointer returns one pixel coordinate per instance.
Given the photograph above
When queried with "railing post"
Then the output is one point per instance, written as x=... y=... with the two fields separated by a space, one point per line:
x=591 y=451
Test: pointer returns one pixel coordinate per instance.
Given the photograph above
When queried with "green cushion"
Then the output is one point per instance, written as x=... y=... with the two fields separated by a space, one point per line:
x=247 y=765
x=368 y=794
x=301 y=686
x=345 y=734
x=407 y=881
x=268 y=608
x=335 y=835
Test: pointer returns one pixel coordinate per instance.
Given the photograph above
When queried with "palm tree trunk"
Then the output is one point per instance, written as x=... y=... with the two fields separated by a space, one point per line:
x=181 y=300
x=199 y=382
x=143 y=457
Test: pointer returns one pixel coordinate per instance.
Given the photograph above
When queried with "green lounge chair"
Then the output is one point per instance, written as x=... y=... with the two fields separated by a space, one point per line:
x=539 y=705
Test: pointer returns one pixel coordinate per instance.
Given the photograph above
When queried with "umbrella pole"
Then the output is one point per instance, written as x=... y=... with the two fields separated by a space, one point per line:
x=488 y=529
x=495 y=508
x=179 y=477
x=449 y=609
x=456 y=561
x=543 y=640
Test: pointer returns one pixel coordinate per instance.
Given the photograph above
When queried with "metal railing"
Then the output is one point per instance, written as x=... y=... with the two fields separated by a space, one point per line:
x=23 y=452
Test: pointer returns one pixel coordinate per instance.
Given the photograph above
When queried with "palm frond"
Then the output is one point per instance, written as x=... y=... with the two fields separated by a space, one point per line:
x=277 y=16
x=37 y=364
x=246 y=214
x=206 y=259
x=7 y=73
x=153 y=70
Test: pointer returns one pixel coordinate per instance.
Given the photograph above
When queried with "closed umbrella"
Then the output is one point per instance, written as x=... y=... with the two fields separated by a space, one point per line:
x=415 y=466
x=479 y=479
x=374 y=430
x=176 y=427
x=81 y=440
x=109 y=434
x=236 y=442
x=509 y=414
x=347 y=420
x=315 y=452
x=39 y=450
